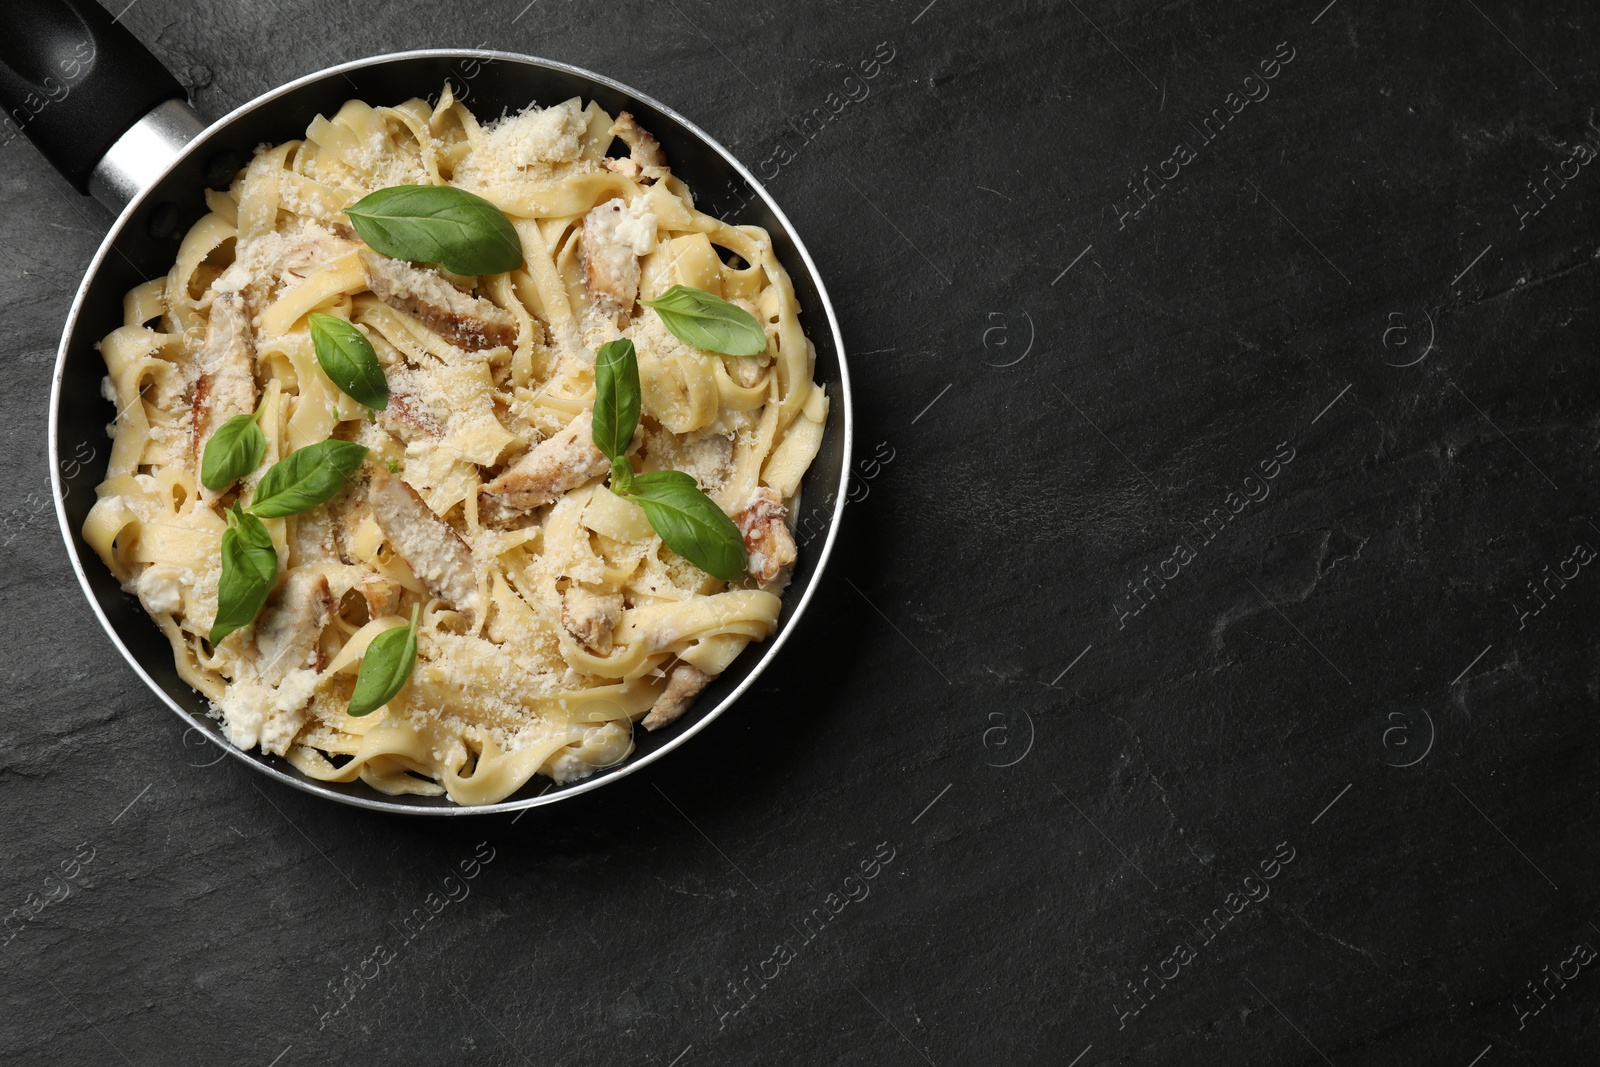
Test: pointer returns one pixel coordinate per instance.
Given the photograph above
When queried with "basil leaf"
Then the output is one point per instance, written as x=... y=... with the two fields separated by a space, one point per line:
x=709 y=322
x=385 y=666
x=621 y=476
x=616 y=397
x=347 y=358
x=438 y=224
x=306 y=477
x=690 y=522
x=249 y=571
x=234 y=451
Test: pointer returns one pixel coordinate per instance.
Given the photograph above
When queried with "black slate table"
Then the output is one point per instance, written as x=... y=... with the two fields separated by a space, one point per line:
x=1207 y=675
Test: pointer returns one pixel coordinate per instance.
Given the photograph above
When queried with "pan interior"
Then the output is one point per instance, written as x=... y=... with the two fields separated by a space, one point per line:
x=144 y=244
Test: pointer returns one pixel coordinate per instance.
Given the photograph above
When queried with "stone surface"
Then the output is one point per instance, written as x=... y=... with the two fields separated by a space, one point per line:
x=1065 y=784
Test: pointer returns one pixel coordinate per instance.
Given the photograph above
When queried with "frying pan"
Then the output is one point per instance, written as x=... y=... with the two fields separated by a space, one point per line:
x=108 y=116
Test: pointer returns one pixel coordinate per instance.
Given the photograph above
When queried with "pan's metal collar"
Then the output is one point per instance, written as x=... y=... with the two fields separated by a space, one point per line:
x=143 y=154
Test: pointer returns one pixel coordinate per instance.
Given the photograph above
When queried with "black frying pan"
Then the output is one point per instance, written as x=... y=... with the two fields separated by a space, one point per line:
x=110 y=118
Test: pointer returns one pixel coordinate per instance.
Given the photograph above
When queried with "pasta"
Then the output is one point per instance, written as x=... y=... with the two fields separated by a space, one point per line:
x=553 y=618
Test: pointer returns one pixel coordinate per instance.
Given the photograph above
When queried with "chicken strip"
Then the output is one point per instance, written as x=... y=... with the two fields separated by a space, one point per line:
x=286 y=636
x=610 y=256
x=555 y=465
x=707 y=457
x=644 y=151
x=464 y=320
x=381 y=594
x=767 y=539
x=683 y=685
x=314 y=247
x=748 y=372
x=435 y=552
x=407 y=418
x=314 y=537
x=592 y=618
x=226 y=385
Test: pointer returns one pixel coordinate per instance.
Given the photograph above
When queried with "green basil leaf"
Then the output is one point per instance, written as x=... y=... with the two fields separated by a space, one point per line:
x=249 y=571
x=306 y=477
x=385 y=666
x=616 y=397
x=621 y=476
x=438 y=224
x=234 y=451
x=690 y=522
x=696 y=317
x=347 y=358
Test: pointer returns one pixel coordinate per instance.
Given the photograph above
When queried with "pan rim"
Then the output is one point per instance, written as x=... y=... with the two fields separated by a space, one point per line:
x=769 y=649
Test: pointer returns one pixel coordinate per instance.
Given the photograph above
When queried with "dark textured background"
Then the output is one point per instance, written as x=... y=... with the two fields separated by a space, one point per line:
x=1343 y=672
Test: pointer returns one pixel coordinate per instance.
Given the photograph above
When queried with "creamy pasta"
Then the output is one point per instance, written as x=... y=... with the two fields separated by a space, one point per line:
x=553 y=618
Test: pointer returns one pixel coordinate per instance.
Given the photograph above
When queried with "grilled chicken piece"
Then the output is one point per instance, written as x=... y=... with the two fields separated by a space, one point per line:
x=287 y=634
x=381 y=594
x=748 y=372
x=555 y=465
x=767 y=540
x=591 y=617
x=314 y=536
x=435 y=552
x=226 y=385
x=644 y=151
x=610 y=261
x=464 y=320
x=683 y=685
x=407 y=418
x=315 y=247
x=706 y=457
x=265 y=267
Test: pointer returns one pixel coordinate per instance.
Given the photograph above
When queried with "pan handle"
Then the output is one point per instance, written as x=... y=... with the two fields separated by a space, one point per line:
x=80 y=86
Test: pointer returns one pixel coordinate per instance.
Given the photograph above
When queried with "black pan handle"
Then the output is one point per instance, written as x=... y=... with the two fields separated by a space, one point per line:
x=74 y=81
